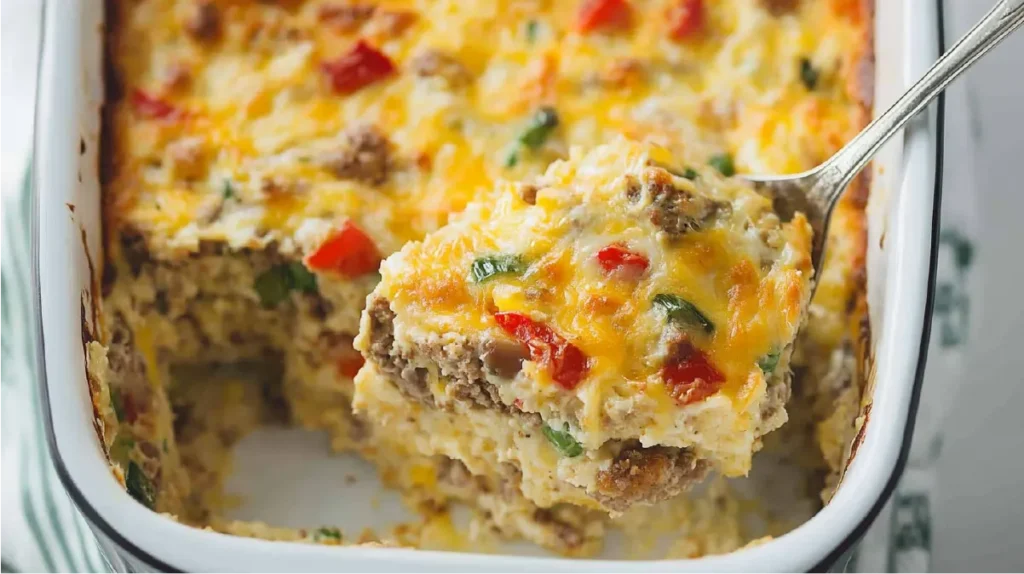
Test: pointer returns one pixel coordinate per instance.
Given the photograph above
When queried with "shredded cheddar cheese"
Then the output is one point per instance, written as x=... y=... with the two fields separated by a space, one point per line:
x=673 y=291
x=262 y=158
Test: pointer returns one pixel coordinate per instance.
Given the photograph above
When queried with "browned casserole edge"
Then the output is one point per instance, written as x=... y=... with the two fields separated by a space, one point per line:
x=861 y=85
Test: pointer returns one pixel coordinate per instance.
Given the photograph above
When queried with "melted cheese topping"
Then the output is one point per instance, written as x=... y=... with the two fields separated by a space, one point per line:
x=240 y=159
x=254 y=110
x=742 y=270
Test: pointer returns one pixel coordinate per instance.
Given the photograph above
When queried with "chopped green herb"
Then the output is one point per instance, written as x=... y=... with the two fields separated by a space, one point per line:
x=723 y=163
x=563 y=442
x=483 y=268
x=808 y=75
x=512 y=158
x=682 y=311
x=139 y=485
x=327 y=533
x=121 y=448
x=688 y=173
x=302 y=279
x=531 y=31
x=228 y=190
x=163 y=306
x=543 y=122
x=769 y=362
x=117 y=404
x=165 y=445
x=274 y=284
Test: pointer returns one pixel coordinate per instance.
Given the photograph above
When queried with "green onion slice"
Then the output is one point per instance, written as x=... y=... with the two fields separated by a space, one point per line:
x=808 y=75
x=531 y=31
x=769 y=362
x=121 y=448
x=512 y=158
x=542 y=124
x=679 y=310
x=563 y=442
x=327 y=533
x=484 y=268
x=139 y=485
x=723 y=163
x=117 y=403
x=274 y=284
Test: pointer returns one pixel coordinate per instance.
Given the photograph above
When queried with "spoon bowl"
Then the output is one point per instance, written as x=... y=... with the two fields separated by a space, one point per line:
x=816 y=192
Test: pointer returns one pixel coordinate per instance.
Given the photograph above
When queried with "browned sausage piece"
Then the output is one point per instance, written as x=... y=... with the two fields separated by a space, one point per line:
x=528 y=193
x=677 y=211
x=204 y=23
x=463 y=366
x=504 y=358
x=346 y=18
x=365 y=156
x=409 y=379
x=648 y=475
x=780 y=7
x=437 y=64
x=452 y=471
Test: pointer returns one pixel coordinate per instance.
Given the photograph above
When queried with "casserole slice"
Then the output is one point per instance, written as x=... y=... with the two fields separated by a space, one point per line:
x=610 y=332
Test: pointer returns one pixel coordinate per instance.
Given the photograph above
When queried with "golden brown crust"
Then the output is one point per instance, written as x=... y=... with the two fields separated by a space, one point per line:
x=95 y=389
x=648 y=475
x=861 y=86
x=112 y=94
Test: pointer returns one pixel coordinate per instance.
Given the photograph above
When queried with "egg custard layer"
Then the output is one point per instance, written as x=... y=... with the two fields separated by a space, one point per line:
x=260 y=159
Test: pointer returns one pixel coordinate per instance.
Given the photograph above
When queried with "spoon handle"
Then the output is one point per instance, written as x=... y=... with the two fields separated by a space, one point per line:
x=837 y=173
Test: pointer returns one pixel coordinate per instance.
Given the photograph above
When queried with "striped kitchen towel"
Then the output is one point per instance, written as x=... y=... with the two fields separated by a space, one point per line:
x=42 y=530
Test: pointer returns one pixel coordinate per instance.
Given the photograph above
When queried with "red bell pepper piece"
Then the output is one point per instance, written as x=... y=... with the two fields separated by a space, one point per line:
x=596 y=14
x=686 y=18
x=129 y=408
x=690 y=376
x=152 y=107
x=360 y=67
x=348 y=251
x=349 y=364
x=616 y=257
x=565 y=362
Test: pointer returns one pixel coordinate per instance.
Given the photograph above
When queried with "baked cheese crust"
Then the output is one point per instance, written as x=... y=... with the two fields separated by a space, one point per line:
x=261 y=158
x=231 y=125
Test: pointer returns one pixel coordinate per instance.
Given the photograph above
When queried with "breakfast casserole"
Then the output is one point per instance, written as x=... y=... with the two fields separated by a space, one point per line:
x=611 y=331
x=261 y=159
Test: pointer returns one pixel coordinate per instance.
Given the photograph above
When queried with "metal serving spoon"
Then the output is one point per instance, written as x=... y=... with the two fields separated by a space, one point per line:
x=816 y=192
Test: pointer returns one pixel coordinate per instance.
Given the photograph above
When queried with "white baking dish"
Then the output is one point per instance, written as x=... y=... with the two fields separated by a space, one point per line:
x=902 y=241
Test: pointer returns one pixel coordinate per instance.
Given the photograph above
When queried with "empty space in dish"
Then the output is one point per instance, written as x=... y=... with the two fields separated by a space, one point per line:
x=285 y=478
